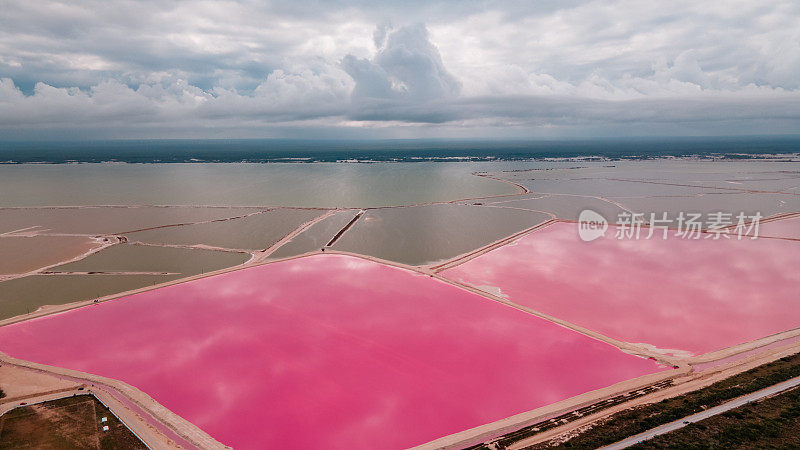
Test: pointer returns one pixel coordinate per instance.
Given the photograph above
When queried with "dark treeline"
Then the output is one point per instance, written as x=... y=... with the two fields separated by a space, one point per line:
x=274 y=150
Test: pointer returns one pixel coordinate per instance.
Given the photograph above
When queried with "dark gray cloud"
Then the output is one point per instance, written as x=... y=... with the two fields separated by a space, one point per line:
x=157 y=68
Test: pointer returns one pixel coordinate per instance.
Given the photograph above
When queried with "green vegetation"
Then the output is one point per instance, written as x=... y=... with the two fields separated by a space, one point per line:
x=770 y=423
x=67 y=423
x=525 y=432
x=640 y=419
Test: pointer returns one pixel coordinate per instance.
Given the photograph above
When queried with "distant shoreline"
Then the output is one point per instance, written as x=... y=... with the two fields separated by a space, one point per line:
x=784 y=157
x=300 y=151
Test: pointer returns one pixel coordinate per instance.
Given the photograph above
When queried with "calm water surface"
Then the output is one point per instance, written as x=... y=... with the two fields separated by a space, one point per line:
x=307 y=354
x=277 y=184
x=684 y=294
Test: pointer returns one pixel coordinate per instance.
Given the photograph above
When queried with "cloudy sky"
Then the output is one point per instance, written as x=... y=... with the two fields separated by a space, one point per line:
x=314 y=69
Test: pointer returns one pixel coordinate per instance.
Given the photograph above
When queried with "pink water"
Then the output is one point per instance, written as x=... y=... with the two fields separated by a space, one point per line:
x=685 y=294
x=785 y=228
x=711 y=364
x=327 y=351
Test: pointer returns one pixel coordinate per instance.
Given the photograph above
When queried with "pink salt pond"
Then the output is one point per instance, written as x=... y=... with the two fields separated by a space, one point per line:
x=683 y=294
x=328 y=351
x=783 y=228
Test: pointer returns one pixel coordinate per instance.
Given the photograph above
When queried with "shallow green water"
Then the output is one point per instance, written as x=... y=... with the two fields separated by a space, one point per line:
x=426 y=234
x=25 y=295
x=316 y=236
x=109 y=220
x=277 y=184
x=145 y=258
x=255 y=232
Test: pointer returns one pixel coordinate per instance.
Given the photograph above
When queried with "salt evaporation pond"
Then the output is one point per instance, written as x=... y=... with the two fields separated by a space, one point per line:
x=695 y=295
x=327 y=351
x=785 y=228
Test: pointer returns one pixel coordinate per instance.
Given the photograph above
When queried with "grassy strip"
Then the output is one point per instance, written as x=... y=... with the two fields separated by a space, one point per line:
x=642 y=418
x=770 y=423
x=530 y=430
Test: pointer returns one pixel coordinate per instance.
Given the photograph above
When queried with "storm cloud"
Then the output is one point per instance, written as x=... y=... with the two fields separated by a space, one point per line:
x=261 y=69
